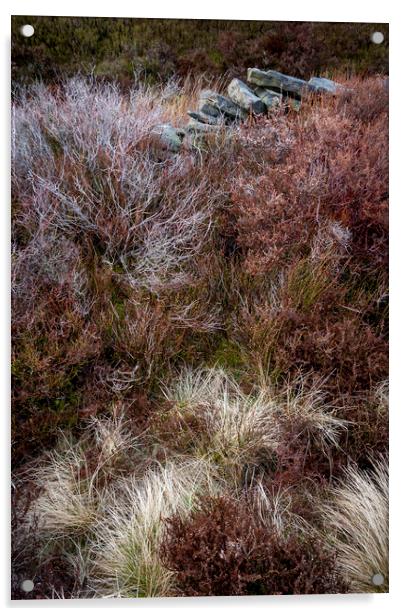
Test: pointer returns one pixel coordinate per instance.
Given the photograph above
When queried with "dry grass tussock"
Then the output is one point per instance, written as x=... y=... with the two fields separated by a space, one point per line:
x=212 y=417
x=74 y=479
x=357 y=519
x=125 y=548
x=96 y=504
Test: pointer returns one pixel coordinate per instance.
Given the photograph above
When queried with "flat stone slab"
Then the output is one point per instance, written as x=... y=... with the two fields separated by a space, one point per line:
x=244 y=97
x=279 y=82
x=270 y=98
x=205 y=118
x=210 y=99
x=322 y=84
x=209 y=109
x=194 y=126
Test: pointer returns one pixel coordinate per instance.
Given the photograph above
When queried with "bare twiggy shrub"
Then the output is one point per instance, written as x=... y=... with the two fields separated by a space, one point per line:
x=358 y=526
x=86 y=165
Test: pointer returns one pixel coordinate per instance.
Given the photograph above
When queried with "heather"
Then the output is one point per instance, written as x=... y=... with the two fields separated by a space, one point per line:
x=199 y=343
x=159 y=49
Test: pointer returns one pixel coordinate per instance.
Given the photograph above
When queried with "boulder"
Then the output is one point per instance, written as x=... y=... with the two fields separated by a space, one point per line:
x=205 y=118
x=223 y=105
x=322 y=84
x=244 y=97
x=170 y=137
x=194 y=126
x=268 y=97
x=279 y=82
x=208 y=109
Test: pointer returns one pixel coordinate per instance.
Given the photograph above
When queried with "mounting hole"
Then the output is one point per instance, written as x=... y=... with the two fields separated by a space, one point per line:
x=377 y=38
x=378 y=579
x=27 y=585
x=27 y=30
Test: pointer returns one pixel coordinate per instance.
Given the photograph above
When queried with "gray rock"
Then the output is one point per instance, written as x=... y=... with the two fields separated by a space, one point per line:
x=279 y=82
x=224 y=105
x=194 y=126
x=205 y=118
x=244 y=97
x=268 y=97
x=209 y=109
x=170 y=137
x=322 y=84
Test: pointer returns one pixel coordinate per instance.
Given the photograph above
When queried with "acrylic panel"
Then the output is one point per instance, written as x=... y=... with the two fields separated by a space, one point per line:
x=199 y=307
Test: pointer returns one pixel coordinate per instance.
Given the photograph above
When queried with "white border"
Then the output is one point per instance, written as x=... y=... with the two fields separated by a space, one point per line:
x=294 y=10
x=345 y=10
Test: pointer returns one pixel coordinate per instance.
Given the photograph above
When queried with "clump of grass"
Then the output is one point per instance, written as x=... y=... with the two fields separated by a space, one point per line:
x=368 y=430
x=100 y=506
x=303 y=321
x=73 y=481
x=357 y=522
x=125 y=547
x=213 y=418
x=210 y=416
x=70 y=501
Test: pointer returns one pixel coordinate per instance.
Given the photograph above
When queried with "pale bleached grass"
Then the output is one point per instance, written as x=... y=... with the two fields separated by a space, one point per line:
x=69 y=502
x=126 y=541
x=237 y=427
x=113 y=438
x=240 y=428
x=274 y=508
x=183 y=98
x=108 y=524
x=358 y=526
x=75 y=478
x=303 y=403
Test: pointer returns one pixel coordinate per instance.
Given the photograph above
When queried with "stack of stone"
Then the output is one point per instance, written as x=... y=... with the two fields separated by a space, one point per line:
x=265 y=91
